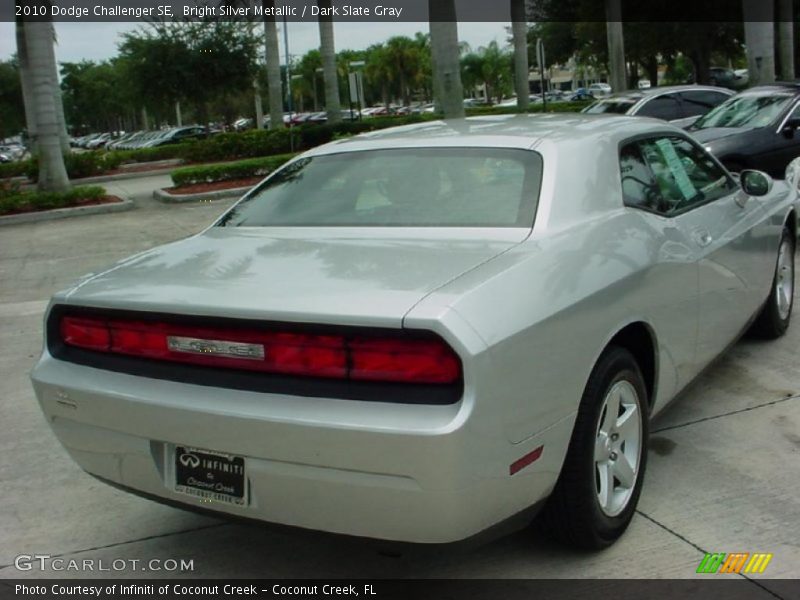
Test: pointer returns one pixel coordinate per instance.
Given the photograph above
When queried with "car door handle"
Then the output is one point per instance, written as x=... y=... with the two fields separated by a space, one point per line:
x=703 y=237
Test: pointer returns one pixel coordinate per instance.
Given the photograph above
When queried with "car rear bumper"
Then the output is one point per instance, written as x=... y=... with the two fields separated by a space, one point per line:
x=411 y=473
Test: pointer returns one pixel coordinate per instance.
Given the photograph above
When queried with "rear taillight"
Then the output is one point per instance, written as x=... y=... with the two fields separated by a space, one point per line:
x=85 y=333
x=355 y=357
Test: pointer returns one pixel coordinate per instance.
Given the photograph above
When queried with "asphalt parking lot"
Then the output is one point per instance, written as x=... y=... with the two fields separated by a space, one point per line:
x=723 y=472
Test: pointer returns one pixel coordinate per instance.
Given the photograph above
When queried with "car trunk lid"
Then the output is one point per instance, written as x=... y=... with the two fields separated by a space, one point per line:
x=347 y=276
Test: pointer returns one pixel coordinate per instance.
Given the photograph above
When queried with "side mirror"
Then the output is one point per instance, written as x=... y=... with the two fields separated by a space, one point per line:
x=755 y=183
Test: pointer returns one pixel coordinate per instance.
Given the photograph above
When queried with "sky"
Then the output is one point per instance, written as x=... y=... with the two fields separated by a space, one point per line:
x=98 y=41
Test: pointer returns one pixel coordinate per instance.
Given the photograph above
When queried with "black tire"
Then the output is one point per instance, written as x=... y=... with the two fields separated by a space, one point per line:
x=769 y=324
x=573 y=513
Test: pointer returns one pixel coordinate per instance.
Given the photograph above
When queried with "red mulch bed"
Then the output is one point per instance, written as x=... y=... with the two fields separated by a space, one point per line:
x=196 y=188
x=93 y=201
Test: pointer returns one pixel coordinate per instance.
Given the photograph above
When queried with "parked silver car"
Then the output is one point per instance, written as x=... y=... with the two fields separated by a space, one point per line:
x=679 y=104
x=418 y=333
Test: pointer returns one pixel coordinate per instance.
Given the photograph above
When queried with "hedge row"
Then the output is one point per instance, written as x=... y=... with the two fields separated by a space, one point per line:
x=13 y=169
x=252 y=167
x=13 y=199
x=257 y=143
x=151 y=154
x=248 y=144
x=253 y=143
x=532 y=108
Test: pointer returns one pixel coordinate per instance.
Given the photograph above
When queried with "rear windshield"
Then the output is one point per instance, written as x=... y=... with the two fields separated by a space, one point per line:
x=415 y=187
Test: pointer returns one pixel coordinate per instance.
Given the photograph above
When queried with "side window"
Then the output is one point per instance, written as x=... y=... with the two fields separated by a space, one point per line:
x=699 y=102
x=681 y=176
x=639 y=188
x=661 y=107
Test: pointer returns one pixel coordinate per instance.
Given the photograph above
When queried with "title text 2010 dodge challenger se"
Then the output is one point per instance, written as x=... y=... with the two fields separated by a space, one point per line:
x=418 y=333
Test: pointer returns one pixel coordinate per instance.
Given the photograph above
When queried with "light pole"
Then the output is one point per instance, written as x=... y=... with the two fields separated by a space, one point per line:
x=288 y=81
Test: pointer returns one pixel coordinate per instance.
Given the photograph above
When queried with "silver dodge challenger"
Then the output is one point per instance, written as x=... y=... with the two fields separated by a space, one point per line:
x=421 y=333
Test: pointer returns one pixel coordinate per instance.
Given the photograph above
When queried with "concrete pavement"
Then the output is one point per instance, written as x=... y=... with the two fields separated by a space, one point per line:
x=723 y=473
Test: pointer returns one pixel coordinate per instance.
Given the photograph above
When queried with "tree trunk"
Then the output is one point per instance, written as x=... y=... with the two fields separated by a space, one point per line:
x=42 y=60
x=63 y=136
x=178 y=114
x=519 y=32
x=759 y=37
x=448 y=92
x=273 y=60
x=616 y=46
x=27 y=90
x=786 y=42
x=701 y=61
x=329 y=73
x=650 y=65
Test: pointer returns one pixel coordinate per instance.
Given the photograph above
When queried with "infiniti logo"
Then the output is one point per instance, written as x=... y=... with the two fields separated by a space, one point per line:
x=189 y=460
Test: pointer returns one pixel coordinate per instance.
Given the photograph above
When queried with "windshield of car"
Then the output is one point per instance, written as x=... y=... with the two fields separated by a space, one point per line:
x=617 y=106
x=414 y=187
x=746 y=110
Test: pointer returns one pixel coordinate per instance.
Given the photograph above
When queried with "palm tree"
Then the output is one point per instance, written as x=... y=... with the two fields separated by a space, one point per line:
x=25 y=81
x=275 y=89
x=404 y=57
x=378 y=71
x=424 y=75
x=447 y=89
x=786 y=43
x=38 y=36
x=329 y=73
x=519 y=34
x=63 y=137
x=759 y=37
x=616 y=46
x=490 y=67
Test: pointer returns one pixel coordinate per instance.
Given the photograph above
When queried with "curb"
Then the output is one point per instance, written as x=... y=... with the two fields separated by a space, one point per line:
x=118 y=176
x=64 y=213
x=165 y=196
x=164 y=170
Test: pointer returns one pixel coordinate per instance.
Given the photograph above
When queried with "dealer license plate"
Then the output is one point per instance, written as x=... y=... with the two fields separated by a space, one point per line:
x=211 y=475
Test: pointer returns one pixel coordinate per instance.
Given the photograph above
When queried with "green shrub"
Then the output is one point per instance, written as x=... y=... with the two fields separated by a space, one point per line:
x=247 y=144
x=140 y=155
x=253 y=167
x=13 y=199
x=14 y=169
x=85 y=164
x=254 y=143
x=532 y=108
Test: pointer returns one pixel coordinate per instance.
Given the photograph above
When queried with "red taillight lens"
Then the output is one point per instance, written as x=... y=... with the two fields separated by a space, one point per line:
x=91 y=334
x=390 y=359
x=387 y=359
x=301 y=354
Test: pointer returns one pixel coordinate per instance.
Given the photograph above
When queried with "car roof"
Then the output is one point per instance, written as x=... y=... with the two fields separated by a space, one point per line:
x=778 y=86
x=636 y=95
x=502 y=131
